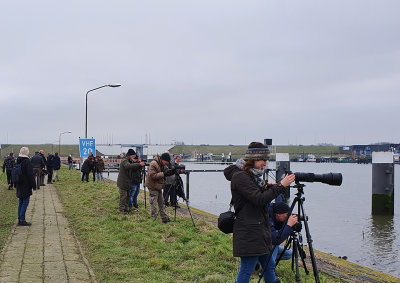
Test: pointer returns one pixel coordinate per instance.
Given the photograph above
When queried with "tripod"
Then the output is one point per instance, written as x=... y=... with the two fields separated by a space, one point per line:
x=178 y=187
x=297 y=240
x=295 y=236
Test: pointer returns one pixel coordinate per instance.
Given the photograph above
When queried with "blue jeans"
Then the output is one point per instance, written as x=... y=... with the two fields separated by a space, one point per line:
x=278 y=250
x=69 y=166
x=248 y=264
x=22 y=206
x=133 y=193
x=99 y=175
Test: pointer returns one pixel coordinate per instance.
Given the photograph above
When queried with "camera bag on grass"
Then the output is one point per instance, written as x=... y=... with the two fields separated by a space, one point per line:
x=227 y=219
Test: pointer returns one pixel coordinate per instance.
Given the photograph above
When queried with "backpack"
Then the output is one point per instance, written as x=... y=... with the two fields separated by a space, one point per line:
x=16 y=173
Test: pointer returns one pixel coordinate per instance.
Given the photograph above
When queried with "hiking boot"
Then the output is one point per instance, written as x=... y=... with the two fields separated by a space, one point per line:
x=24 y=223
x=135 y=206
x=166 y=220
x=177 y=206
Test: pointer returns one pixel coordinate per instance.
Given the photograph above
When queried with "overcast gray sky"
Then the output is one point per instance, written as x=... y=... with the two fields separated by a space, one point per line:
x=201 y=72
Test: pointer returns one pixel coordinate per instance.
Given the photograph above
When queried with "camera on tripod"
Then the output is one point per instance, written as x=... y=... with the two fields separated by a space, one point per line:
x=333 y=179
x=178 y=168
x=297 y=227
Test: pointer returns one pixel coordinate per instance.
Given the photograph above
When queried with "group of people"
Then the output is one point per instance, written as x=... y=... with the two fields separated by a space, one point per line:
x=41 y=166
x=31 y=172
x=91 y=164
x=259 y=225
x=160 y=180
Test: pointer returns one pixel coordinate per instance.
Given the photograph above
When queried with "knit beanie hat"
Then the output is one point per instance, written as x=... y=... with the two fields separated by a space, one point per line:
x=165 y=156
x=280 y=207
x=130 y=152
x=257 y=153
x=24 y=152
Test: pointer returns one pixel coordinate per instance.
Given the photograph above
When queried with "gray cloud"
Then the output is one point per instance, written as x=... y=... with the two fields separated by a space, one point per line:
x=216 y=72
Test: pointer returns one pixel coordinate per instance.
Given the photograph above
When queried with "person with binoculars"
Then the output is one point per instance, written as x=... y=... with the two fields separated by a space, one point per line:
x=251 y=230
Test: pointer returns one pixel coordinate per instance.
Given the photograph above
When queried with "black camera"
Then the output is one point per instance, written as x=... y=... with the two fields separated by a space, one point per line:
x=333 y=179
x=297 y=227
x=178 y=168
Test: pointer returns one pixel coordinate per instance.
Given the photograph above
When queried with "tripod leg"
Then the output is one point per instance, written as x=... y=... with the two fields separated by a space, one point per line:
x=296 y=258
x=309 y=241
x=303 y=256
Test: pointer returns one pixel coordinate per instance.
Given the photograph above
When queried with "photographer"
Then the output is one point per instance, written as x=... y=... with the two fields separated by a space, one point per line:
x=124 y=180
x=278 y=213
x=157 y=171
x=136 y=177
x=251 y=231
x=169 y=190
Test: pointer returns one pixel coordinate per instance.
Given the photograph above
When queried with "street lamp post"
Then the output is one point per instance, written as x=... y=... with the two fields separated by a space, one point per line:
x=59 y=142
x=116 y=85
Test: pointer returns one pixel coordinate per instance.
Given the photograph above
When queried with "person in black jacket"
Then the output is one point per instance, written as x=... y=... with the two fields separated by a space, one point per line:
x=56 y=166
x=8 y=166
x=250 y=196
x=25 y=185
x=87 y=167
x=49 y=166
x=38 y=166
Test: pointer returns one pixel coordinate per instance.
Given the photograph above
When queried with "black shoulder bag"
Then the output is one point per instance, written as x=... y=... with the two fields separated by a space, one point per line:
x=227 y=219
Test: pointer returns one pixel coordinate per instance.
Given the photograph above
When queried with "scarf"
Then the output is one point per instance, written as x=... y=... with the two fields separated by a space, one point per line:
x=257 y=173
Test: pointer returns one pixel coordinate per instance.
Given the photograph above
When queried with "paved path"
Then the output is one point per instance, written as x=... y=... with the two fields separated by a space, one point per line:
x=47 y=251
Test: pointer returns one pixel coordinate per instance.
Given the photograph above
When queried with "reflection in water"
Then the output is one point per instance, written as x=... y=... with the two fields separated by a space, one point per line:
x=380 y=242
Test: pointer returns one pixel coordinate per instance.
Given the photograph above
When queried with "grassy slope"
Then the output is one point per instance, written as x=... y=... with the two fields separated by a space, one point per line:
x=136 y=248
x=8 y=208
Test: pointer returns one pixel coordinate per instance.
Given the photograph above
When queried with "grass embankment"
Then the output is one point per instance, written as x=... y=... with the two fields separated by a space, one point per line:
x=8 y=208
x=136 y=248
x=238 y=151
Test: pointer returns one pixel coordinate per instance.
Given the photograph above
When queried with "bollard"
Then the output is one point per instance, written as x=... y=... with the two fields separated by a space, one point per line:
x=282 y=165
x=382 y=183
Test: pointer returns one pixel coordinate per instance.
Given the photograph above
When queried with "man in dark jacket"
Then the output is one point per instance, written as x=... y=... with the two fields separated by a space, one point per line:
x=8 y=166
x=70 y=161
x=124 y=180
x=38 y=166
x=49 y=166
x=41 y=152
x=56 y=166
x=136 y=177
x=25 y=185
x=278 y=212
x=87 y=167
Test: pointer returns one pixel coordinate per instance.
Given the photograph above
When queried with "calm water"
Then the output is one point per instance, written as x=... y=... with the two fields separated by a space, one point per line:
x=340 y=218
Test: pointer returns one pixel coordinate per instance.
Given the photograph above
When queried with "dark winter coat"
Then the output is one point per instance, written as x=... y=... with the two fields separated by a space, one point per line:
x=56 y=162
x=49 y=162
x=251 y=231
x=87 y=166
x=37 y=161
x=27 y=183
x=124 y=180
x=100 y=165
x=136 y=174
x=8 y=163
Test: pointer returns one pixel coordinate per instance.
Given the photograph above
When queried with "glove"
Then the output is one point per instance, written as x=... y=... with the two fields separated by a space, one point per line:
x=169 y=172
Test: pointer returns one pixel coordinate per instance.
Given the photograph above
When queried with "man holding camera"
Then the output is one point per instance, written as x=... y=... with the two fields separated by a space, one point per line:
x=158 y=170
x=124 y=180
x=169 y=190
x=278 y=213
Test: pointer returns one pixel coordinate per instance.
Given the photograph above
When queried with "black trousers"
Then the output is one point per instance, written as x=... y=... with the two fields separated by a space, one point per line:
x=170 y=192
x=85 y=176
x=50 y=174
x=9 y=178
